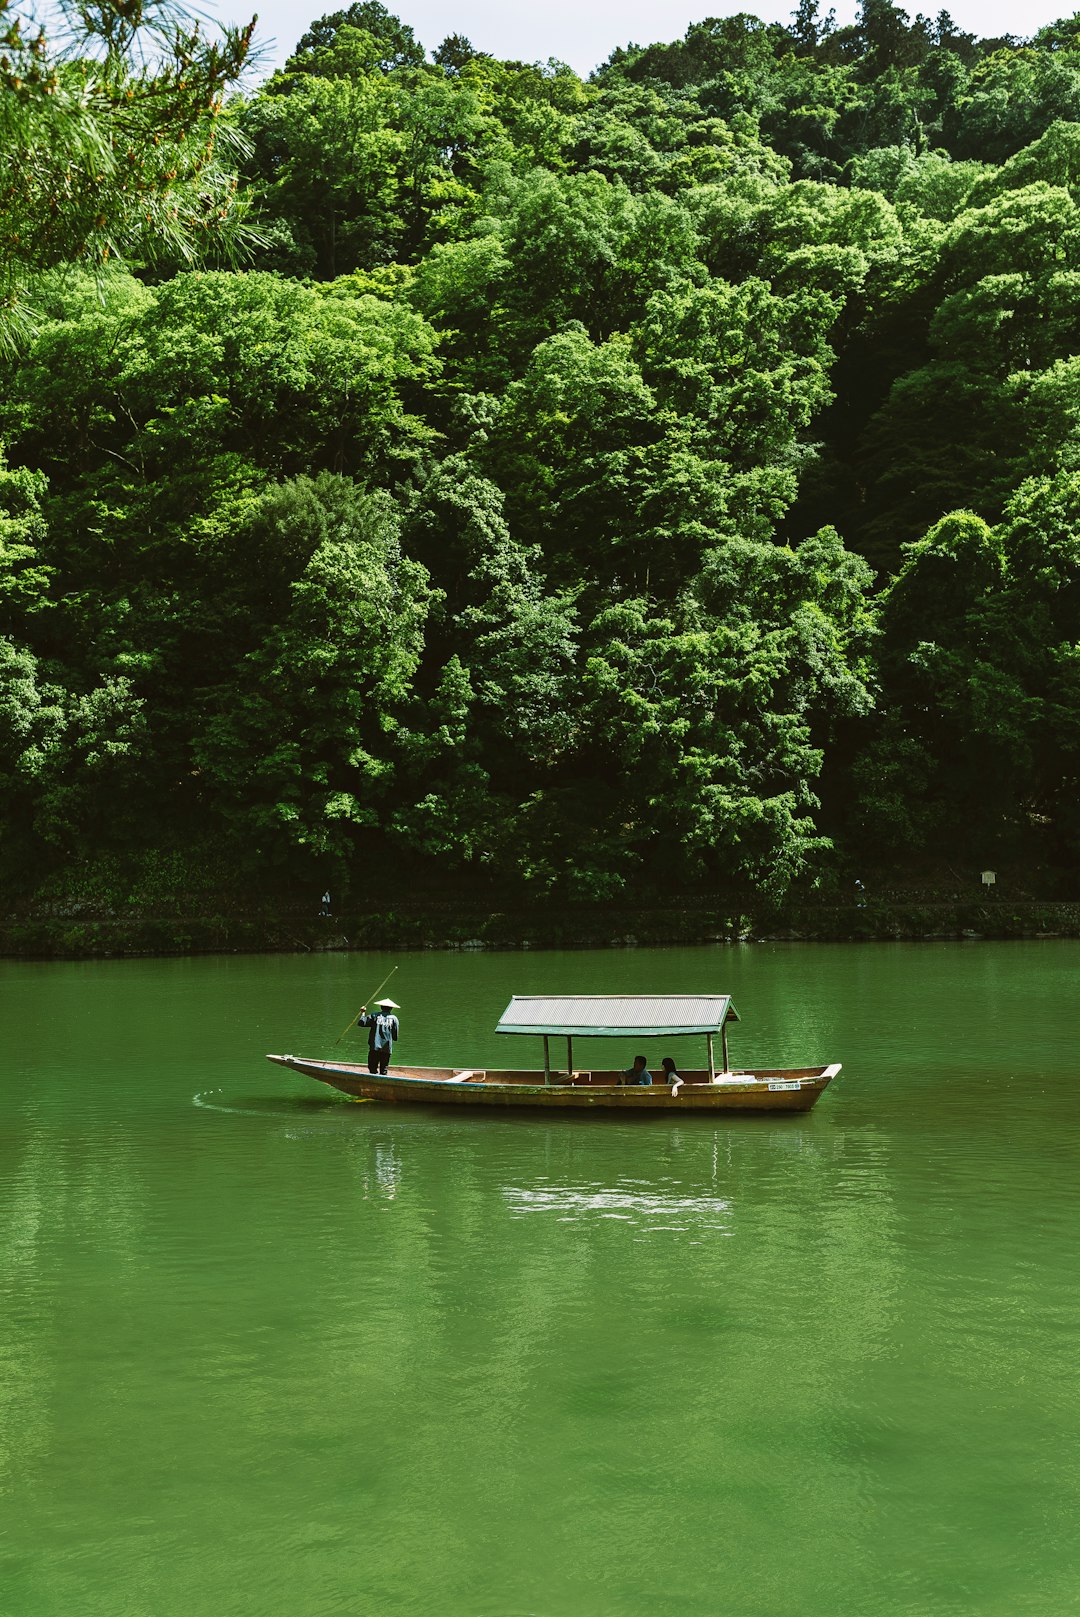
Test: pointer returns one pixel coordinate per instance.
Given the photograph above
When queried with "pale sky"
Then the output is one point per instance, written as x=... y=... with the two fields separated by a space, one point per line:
x=584 y=35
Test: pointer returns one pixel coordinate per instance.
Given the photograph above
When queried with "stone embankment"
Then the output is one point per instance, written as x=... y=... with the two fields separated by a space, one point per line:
x=453 y=926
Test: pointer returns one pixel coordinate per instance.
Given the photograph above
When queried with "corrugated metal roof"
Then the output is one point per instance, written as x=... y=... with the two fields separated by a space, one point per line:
x=613 y=1015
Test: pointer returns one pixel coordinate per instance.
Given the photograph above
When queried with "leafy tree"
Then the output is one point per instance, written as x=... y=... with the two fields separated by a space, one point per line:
x=443 y=808
x=583 y=249
x=396 y=44
x=741 y=46
x=321 y=156
x=364 y=164
x=113 y=146
x=295 y=749
x=705 y=716
x=25 y=578
x=1011 y=98
x=923 y=186
x=979 y=672
x=569 y=446
x=748 y=371
x=456 y=52
x=220 y=364
x=31 y=724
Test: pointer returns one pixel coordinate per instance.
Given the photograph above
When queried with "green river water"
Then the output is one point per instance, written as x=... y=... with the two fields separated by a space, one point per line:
x=264 y=1351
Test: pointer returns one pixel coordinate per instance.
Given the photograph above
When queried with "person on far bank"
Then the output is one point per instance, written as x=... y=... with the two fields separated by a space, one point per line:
x=638 y=1073
x=383 y=1031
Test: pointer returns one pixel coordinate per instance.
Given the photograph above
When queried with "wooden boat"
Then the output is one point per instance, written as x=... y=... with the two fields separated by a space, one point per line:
x=639 y=1017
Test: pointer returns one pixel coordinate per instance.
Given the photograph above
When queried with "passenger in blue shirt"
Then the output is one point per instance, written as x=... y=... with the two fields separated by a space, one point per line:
x=638 y=1073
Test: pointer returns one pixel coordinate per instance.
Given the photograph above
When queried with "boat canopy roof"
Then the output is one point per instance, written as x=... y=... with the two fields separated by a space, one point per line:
x=609 y=1016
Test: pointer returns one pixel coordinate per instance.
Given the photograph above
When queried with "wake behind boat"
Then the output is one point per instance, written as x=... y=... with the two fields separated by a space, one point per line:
x=772 y=1089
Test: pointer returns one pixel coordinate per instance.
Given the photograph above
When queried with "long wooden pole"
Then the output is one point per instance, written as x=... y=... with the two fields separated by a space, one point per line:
x=369 y=1001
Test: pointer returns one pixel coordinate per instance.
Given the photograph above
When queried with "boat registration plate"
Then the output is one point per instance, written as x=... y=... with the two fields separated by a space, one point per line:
x=784 y=1083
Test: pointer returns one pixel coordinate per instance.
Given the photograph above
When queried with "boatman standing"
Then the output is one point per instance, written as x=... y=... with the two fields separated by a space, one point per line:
x=382 y=1029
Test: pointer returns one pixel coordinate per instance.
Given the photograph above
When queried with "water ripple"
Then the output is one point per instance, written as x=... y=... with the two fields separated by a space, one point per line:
x=254 y=1108
x=623 y=1202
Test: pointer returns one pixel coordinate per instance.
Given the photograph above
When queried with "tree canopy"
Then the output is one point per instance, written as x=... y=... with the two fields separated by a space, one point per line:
x=659 y=482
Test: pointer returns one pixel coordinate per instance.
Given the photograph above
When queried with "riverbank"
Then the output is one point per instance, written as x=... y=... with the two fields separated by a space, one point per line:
x=456 y=926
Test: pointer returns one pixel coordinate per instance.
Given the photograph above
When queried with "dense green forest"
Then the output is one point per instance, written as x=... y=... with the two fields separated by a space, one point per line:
x=428 y=471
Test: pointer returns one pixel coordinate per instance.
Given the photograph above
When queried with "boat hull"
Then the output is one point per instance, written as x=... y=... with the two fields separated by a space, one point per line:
x=768 y=1090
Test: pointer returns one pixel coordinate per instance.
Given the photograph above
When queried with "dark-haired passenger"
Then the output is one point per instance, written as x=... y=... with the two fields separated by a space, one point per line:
x=637 y=1074
x=671 y=1075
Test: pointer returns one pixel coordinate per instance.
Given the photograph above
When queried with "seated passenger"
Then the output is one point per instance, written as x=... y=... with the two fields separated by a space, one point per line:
x=671 y=1075
x=638 y=1073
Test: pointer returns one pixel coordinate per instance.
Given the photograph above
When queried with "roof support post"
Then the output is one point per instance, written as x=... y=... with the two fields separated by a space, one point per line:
x=723 y=1041
x=712 y=1063
x=547 y=1061
x=569 y=1058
